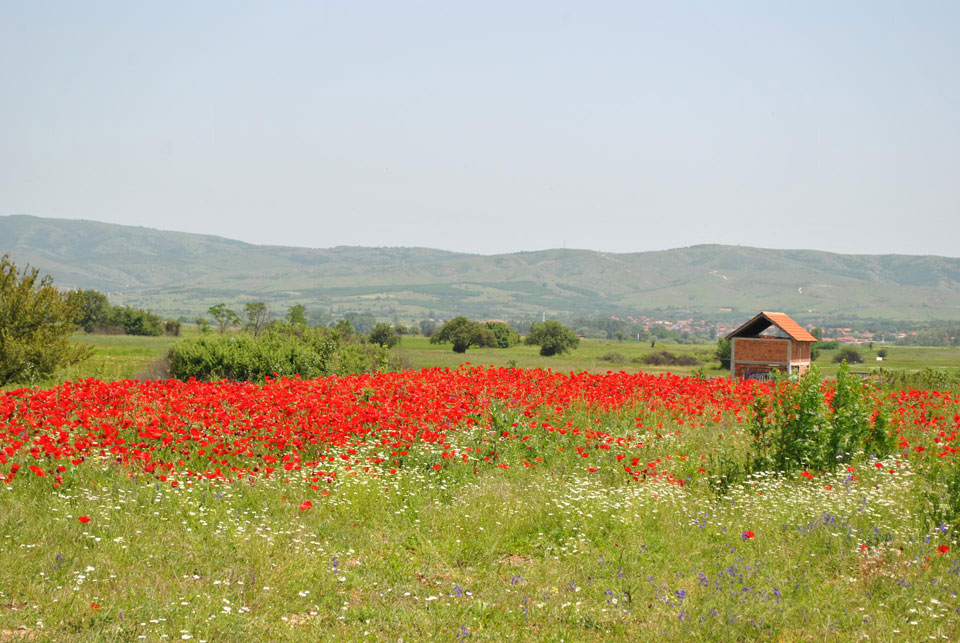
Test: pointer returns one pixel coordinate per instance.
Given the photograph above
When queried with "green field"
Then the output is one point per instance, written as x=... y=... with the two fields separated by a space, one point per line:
x=129 y=357
x=530 y=533
x=552 y=547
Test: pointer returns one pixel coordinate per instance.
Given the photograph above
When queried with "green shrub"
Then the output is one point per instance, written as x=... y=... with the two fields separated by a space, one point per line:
x=831 y=345
x=464 y=333
x=849 y=423
x=171 y=327
x=613 y=357
x=848 y=355
x=285 y=352
x=552 y=337
x=384 y=335
x=940 y=491
x=36 y=321
x=666 y=358
x=724 y=350
x=505 y=335
x=788 y=428
x=795 y=428
x=134 y=321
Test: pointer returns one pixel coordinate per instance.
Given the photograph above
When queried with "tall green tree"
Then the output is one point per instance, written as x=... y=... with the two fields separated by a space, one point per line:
x=427 y=327
x=343 y=327
x=724 y=350
x=223 y=316
x=385 y=335
x=135 y=321
x=297 y=315
x=257 y=315
x=94 y=310
x=36 y=321
x=506 y=336
x=464 y=333
x=553 y=338
x=320 y=319
x=363 y=323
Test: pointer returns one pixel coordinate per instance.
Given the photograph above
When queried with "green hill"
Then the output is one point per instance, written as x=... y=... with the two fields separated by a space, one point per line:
x=176 y=273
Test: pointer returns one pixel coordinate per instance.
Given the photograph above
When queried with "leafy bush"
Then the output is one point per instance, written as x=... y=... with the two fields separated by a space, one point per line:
x=788 y=427
x=552 y=337
x=504 y=334
x=94 y=311
x=666 y=358
x=384 y=335
x=36 y=321
x=427 y=327
x=724 y=350
x=464 y=333
x=831 y=345
x=848 y=355
x=171 y=328
x=286 y=352
x=797 y=428
x=940 y=494
x=135 y=321
x=850 y=427
x=613 y=358
x=96 y=315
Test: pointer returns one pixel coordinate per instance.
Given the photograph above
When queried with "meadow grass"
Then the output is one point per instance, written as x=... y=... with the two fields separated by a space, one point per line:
x=550 y=551
x=126 y=357
x=477 y=551
x=597 y=355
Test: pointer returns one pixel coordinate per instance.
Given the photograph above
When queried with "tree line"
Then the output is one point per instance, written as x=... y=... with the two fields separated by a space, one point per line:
x=95 y=314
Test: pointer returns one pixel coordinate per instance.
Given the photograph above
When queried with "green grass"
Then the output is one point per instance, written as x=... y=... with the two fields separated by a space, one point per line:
x=116 y=357
x=589 y=356
x=126 y=357
x=488 y=554
x=546 y=553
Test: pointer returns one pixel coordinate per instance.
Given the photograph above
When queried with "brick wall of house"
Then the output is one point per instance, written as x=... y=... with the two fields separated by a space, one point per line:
x=749 y=349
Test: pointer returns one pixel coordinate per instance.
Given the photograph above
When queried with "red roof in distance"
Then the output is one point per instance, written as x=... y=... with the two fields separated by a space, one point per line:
x=766 y=319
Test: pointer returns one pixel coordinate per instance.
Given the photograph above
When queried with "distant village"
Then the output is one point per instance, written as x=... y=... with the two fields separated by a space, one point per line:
x=844 y=335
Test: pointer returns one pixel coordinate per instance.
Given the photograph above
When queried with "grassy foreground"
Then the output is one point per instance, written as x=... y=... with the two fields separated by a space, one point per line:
x=530 y=530
x=528 y=555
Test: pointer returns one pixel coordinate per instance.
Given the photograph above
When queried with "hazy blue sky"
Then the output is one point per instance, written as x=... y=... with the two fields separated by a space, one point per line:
x=491 y=126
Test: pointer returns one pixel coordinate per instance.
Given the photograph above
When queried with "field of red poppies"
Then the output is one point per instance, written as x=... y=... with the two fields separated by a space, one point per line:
x=466 y=503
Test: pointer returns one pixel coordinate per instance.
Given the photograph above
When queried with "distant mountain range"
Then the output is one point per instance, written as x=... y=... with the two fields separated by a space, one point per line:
x=180 y=274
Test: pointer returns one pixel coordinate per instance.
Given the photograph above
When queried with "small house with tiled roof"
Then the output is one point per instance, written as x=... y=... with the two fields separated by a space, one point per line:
x=769 y=342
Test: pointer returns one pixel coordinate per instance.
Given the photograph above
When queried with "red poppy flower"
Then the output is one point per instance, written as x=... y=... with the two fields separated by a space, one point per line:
x=83 y=519
x=306 y=504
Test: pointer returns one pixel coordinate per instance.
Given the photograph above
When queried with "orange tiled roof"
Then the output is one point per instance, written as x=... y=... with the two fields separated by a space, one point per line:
x=790 y=327
x=781 y=321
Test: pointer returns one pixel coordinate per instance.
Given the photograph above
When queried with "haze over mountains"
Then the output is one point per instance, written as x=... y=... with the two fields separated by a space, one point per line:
x=180 y=274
